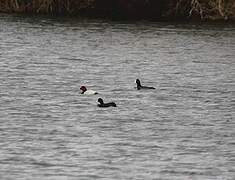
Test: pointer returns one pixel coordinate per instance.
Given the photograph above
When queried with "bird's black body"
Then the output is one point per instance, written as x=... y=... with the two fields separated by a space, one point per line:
x=102 y=104
x=139 y=86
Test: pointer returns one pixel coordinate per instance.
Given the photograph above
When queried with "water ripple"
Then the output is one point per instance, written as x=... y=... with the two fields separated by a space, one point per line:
x=182 y=130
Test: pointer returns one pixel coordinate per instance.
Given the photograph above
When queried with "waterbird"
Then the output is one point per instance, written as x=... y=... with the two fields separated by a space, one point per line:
x=88 y=92
x=102 y=104
x=139 y=86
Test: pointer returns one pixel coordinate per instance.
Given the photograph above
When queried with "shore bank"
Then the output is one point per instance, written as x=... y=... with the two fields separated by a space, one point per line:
x=127 y=9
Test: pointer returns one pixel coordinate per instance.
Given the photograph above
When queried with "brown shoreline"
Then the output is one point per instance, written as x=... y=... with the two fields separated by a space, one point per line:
x=199 y=10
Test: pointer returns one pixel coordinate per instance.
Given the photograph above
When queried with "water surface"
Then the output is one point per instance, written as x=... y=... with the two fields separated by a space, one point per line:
x=182 y=130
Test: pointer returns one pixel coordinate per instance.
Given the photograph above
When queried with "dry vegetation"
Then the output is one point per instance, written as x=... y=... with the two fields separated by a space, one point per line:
x=44 y=6
x=206 y=9
x=194 y=9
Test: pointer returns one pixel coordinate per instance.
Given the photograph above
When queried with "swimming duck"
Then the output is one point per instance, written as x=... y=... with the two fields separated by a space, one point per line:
x=139 y=86
x=102 y=104
x=85 y=91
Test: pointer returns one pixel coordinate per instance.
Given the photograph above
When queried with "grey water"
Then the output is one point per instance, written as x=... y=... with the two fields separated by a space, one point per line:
x=184 y=129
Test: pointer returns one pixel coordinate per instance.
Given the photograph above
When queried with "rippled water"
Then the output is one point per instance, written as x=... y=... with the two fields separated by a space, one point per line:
x=184 y=129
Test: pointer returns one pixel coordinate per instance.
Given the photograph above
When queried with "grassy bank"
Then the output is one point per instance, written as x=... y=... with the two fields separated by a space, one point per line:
x=127 y=9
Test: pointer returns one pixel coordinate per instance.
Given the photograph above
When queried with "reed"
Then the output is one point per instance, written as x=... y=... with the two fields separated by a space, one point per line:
x=182 y=9
x=44 y=6
x=206 y=9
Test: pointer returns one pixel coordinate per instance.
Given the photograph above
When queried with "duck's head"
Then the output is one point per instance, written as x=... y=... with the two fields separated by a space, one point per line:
x=138 y=82
x=100 y=101
x=83 y=89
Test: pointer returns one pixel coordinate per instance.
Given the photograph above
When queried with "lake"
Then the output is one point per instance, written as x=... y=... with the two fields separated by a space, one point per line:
x=184 y=129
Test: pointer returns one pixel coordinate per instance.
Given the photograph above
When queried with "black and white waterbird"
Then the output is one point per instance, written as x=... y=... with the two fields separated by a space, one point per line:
x=139 y=86
x=102 y=104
